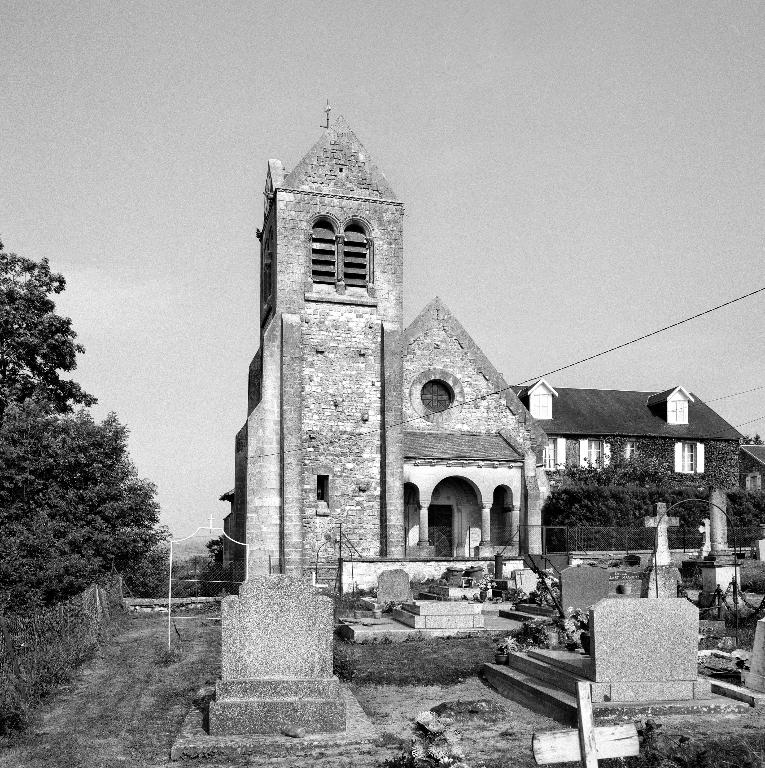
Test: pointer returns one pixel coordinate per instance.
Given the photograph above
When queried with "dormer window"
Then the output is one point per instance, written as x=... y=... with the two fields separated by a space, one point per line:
x=541 y=406
x=677 y=412
x=323 y=252
x=540 y=399
x=676 y=403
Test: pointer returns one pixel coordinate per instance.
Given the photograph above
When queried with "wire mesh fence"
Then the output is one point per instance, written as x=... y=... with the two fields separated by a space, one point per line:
x=40 y=648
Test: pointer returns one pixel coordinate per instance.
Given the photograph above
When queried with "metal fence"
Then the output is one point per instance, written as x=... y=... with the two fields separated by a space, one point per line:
x=40 y=647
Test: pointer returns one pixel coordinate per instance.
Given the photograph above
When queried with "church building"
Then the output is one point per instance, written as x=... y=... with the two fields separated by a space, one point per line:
x=368 y=440
x=392 y=442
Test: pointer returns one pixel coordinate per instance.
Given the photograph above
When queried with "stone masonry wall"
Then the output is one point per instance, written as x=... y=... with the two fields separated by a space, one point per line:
x=342 y=371
x=481 y=411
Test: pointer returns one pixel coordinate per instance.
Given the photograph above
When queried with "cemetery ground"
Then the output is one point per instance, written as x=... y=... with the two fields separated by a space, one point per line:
x=126 y=705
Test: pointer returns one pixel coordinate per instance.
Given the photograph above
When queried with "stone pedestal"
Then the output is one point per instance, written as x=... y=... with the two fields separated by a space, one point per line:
x=755 y=678
x=277 y=661
x=718 y=573
x=440 y=615
x=661 y=582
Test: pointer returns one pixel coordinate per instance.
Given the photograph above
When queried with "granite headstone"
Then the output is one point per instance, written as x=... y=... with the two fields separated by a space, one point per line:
x=645 y=650
x=393 y=587
x=755 y=678
x=582 y=586
x=277 y=661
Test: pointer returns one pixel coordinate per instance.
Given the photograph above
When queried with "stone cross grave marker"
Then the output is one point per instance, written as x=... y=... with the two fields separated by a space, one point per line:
x=663 y=576
x=393 y=587
x=582 y=586
x=277 y=661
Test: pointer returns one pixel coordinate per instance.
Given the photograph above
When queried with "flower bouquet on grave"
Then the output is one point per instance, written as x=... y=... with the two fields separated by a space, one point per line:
x=571 y=626
x=435 y=744
x=484 y=585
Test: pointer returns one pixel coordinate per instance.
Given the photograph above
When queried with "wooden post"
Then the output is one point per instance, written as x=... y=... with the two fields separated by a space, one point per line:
x=589 y=752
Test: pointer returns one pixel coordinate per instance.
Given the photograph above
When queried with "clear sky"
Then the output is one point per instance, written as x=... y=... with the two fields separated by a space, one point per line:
x=575 y=174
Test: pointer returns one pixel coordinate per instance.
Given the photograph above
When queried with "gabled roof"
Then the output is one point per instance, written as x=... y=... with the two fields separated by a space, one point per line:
x=528 y=391
x=662 y=397
x=227 y=496
x=757 y=452
x=437 y=314
x=458 y=445
x=339 y=163
x=615 y=412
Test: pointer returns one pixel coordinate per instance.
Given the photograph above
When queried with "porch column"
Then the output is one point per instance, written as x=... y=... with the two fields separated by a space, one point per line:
x=424 y=535
x=485 y=525
x=514 y=534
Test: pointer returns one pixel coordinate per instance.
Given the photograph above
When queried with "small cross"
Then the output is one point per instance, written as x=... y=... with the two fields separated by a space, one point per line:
x=327 y=109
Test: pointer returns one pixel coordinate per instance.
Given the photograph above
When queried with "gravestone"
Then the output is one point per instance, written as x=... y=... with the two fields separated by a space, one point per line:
x=625 y=583
x=525 y=579
x=645 y=650
x=663 y=576
x=277 y=661
x=393 y=587
x=761 y=549
x=755 y=678
x=582 y=586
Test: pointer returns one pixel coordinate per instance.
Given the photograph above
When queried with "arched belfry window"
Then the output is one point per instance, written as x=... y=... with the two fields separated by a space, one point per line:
x=323 y=254
x=355 y=255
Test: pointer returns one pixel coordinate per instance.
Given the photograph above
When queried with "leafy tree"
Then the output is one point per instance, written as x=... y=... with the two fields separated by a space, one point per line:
x=215 y=548
x=756 y=440
x=72 y=506
x=36 y=344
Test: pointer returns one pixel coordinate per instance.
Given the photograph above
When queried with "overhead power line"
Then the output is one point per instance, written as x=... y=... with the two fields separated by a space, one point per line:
x=370 y=433
x=734 y=394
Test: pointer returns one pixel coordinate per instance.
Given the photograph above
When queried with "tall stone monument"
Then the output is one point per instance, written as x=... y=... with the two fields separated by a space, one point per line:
x=663 y=576
x=277 y=661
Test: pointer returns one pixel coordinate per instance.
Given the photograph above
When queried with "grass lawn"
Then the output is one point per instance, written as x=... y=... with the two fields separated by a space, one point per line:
x=126 y=706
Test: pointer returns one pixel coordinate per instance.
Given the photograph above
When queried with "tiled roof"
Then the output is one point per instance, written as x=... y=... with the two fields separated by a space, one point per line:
x=755 y=451
x=458 y=445
x=614 y=412
x=227 y=496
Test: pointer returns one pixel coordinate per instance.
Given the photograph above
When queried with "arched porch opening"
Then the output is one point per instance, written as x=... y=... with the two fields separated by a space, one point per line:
x=504 y=530
x=454 y=516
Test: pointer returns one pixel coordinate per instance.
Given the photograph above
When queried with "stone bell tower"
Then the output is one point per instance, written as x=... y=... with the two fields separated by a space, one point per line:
x=320 y=447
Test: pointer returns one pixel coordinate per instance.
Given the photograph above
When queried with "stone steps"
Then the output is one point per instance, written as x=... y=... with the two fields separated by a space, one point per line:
x=529 y=690
x=540 y=670
x=525 y=613
x=548 y=685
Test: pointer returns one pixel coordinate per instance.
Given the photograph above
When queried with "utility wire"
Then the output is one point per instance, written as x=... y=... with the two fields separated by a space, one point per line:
x=734 y=394
x=369 y=432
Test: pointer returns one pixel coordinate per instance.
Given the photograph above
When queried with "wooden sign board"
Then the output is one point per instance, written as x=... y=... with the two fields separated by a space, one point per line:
x=588 y=744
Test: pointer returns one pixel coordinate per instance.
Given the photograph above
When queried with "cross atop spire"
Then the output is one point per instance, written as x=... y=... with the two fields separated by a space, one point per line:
x=327 y=109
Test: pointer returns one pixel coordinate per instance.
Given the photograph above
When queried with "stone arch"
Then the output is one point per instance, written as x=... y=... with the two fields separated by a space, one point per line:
x=503 y=527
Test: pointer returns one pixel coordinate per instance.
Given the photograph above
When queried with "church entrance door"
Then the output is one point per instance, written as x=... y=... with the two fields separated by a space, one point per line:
x=440 y=529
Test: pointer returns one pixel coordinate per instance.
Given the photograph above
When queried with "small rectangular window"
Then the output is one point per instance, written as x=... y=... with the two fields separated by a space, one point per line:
x=689 y=457
x=550 y=459
x=629 y=449
x=595 y=452
x=322 y=488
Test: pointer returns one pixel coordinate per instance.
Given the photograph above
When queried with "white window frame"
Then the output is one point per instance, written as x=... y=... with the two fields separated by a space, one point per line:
x=630 y=449
x=541 y=405
x=550 y=454
x=677 y=411
x=688 y=460
x=596 y=457
x=753 y=481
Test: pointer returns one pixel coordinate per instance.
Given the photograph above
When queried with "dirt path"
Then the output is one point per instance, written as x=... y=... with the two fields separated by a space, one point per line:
x=125 y=706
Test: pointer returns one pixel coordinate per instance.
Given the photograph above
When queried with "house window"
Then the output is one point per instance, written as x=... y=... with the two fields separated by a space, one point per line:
x=541 y=406
x=549 y=457
x=595 y=452
x=688 y=457
x=355 y=253
x=436 y=396
x=629 y=449
x=677 y=412
x=323 y=253
x=754 y=481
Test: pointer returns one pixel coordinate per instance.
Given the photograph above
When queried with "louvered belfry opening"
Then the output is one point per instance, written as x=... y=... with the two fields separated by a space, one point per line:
x=323 y=253
x=355 y=255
